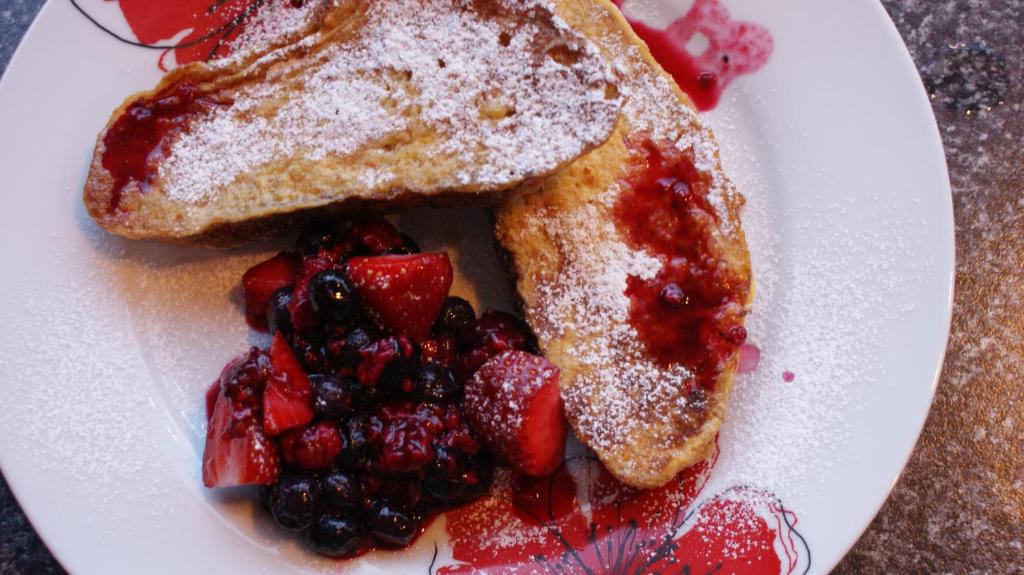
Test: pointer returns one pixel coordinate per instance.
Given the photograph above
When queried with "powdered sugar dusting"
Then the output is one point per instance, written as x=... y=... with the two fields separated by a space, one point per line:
x=503 y=111
x=271 y=23
x=73 y=431
x=621 y=381
x=819 y=311
x=651 y=102
x=502 y=528
x=652 y=106
x=618 y=391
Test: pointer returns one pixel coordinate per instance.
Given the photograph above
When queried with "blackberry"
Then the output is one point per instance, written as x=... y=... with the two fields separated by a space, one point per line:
x=389 y=364
x=439 y=349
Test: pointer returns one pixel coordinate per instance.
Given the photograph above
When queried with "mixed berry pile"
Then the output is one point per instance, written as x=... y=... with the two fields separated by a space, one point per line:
x=382 y=400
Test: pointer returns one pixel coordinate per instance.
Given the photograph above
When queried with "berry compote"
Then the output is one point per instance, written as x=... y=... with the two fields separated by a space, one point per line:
x=374 y=443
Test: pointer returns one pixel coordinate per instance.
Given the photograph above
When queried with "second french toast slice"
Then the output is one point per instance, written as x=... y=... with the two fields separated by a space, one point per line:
x=633 y=269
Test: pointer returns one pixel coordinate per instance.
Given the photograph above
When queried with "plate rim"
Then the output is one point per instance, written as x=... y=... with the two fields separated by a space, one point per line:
x=935 y=141
x=61 y=550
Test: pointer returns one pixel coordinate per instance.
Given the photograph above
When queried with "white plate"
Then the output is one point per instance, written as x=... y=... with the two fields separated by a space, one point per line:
x=108 y=345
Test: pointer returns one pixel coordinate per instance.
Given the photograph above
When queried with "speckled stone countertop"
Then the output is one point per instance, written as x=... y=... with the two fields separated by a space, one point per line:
x=959 y=507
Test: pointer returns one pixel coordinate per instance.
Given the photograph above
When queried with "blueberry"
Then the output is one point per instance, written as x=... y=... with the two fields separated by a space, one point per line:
x=340 y=490
x=294 y=501
x=457 y=317
x=333 y=297
x=279 y=318
x=436 y=384
x=392 y=525
x=336 y=535
x=321 y=235
x=454 y=479
x=332 y=396
x=440 y=479
x=348 y=353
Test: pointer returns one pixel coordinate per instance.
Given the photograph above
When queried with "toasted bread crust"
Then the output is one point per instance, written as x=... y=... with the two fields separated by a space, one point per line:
x=632 y=413
x=207 y=189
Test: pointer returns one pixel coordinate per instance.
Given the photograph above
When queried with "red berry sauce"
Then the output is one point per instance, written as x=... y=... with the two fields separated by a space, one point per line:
x=733 y=48
x=691 y=313
x=133 y=140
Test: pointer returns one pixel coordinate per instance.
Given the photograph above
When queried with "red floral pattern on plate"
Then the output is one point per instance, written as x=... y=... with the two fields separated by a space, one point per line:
x=193 y=30
x=582 y=520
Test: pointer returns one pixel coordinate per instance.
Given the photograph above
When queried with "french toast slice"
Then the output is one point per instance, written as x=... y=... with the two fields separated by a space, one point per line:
x=374 y=105
x=647 y=409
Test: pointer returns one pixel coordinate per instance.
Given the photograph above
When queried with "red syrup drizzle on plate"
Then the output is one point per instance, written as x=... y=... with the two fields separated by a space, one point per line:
x=750 y=358
x=131 y=143
x=691 y=313
x=541 y=526
x=733 y=48
x=544 y=498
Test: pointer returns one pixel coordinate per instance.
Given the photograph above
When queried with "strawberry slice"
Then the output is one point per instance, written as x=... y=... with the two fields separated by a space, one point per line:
x=404 y=294
x=212 y=393
x=245 y=457
x=513 y=403
x=237 y=450
x=261 y=281
x=288 y=397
